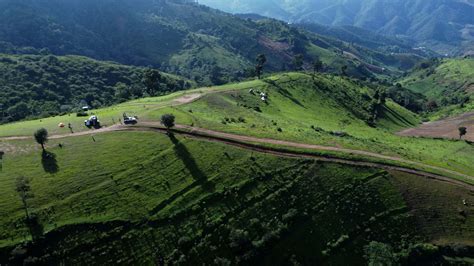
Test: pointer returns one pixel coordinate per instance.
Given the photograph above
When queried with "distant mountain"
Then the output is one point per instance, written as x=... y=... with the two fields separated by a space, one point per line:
x=195 y=41
x=444 y=25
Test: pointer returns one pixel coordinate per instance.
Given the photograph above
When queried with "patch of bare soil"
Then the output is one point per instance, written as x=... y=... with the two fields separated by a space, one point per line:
x=445 y=128
x=280 y=47
x=187 y=98
x=469 y=88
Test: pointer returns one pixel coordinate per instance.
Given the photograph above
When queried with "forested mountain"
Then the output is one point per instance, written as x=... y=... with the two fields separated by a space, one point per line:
x=445 y=25
x=206 y=45
x=45 y=85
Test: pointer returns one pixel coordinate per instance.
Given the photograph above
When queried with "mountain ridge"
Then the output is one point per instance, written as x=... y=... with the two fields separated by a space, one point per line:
x=437 y=23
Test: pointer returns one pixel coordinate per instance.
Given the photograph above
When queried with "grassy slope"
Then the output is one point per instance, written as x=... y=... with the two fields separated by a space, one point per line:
x=334 y=104
x=299 y=104
x=140 y=107
x=193 y=196
x=448 y=79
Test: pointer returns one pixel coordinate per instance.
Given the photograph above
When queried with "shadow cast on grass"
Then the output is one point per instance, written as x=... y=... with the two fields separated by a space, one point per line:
x=49 y=162
x=200 y=179
x=188 y=160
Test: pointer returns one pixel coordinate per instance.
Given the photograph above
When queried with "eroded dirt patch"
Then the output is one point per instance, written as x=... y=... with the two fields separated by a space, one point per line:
x=445 y=128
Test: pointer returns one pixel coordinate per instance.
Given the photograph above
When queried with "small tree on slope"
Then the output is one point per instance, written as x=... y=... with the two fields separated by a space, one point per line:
x=167 y=120
x=41 y=136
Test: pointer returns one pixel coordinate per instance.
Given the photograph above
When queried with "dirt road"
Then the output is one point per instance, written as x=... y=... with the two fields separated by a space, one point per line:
x=255 y=143
x=222 y=136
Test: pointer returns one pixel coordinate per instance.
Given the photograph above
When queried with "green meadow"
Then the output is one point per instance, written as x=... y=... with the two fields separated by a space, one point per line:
x=142 y=197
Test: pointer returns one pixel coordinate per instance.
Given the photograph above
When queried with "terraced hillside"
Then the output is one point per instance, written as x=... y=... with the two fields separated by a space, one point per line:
x=134 y=195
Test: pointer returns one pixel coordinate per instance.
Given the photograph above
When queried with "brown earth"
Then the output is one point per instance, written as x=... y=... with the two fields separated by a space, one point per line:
x=445 y=128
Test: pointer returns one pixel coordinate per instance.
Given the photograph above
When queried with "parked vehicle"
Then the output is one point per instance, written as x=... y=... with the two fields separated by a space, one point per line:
x=129 y=120
x=93 y=121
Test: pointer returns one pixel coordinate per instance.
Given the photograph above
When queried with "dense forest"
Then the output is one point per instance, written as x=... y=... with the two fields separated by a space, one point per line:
x=40 y=86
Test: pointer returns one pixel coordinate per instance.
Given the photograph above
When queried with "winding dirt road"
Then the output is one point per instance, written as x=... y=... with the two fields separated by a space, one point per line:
x=252 y=143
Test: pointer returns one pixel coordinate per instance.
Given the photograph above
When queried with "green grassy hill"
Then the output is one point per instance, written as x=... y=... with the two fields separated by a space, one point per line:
x=328 y=110
x=145 y=197
x=449 y=83
x=46 y=85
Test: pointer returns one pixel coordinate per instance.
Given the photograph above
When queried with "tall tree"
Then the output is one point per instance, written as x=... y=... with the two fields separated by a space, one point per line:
x=261 y=60
x=344 y=70
x=41 y=136
x=152 y=79
x=298 y=62
x=317 y=65
x=23 y=189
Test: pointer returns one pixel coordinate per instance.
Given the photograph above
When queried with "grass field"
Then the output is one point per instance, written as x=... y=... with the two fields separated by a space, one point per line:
x=108 y=116
x=144 y=197
x=309 y=113
x=299 y=108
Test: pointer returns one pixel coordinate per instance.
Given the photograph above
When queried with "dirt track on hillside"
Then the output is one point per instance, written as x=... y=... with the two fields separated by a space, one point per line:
x=445 y=128
x=248 y=140
x=241 y=142
x=252 y=143
x=245 y=142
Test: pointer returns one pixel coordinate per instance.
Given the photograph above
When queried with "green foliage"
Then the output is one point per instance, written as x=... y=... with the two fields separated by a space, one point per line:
x=167 y=120
x=446 y=82
x=41 y=136
x=40 y=86
x=379 y=254
x=194 y=41
x=261 y=60
x=413 y=101
x=462 y=131
x=152 y=79
x=298 y=62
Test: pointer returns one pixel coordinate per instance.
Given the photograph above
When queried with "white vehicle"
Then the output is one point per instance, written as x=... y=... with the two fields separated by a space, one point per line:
x=129 y=120
x=93 y=121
